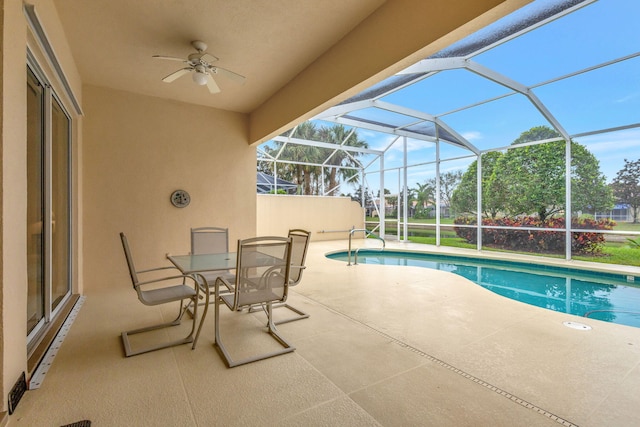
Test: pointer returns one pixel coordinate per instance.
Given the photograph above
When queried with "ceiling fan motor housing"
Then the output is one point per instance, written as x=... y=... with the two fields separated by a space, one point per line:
x=200 y=46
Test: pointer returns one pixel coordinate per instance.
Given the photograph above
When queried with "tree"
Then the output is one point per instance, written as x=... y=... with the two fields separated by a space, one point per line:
x=464 y=197
x=340 y=135
x=449 y=181
x=305 y=170
x=389 y=200
x=589 y=190
x=532 y=178
x=424 y=193
x=626 y=187
x=357 y=197
x=304 y=154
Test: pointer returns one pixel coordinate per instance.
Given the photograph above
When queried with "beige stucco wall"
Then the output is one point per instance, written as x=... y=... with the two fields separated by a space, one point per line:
x=15 y=37
x=137 y=151
x=276 y=214
x=14 y=275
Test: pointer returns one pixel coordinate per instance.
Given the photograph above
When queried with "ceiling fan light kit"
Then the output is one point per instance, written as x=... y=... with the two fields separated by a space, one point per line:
x=200 y=77
x=200 y=65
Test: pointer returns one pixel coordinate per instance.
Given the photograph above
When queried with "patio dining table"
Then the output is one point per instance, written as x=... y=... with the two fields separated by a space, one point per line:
x=201 y=263
x=196 y=264
x=224 y=261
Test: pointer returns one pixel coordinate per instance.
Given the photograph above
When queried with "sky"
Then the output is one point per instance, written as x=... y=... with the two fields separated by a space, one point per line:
x=604 y=98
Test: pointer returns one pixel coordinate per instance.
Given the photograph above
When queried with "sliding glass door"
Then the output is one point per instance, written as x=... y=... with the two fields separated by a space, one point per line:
x=48 y=204
x=35 y=203
x=60 y=205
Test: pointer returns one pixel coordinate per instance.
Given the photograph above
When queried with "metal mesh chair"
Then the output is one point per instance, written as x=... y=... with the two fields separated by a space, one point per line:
x=156 y=295
x=210 y=240
x=299 y=245
x=262 y=277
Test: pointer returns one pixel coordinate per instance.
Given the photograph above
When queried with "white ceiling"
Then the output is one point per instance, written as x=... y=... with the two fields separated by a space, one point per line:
x=269 y=42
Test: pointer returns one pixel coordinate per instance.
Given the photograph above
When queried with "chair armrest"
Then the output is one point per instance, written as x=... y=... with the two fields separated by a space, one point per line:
x=217 y=297
x=224 y=281
x=199 y=280
x=162 y=279
x=169 y=267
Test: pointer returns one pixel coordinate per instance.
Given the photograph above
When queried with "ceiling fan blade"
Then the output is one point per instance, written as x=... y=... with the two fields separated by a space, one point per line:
x=211 y=85
x=176 y=74
x=207 y=57
x=170 y=58
x=230 y=74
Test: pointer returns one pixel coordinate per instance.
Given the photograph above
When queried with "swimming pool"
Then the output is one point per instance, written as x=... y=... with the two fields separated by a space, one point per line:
x=604 y=296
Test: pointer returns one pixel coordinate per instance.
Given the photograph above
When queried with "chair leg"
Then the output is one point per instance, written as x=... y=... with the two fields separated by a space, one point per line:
x=287 y=347
x=201 y=304
x=299 y=313
x=188 y=339
x=272 y=328
x=204 y=314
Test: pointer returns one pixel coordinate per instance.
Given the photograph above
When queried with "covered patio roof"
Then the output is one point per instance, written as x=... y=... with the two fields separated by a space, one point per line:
x=545 y=64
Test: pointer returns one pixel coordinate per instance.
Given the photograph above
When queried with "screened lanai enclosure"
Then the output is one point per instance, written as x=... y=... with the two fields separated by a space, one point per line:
x=523 y=136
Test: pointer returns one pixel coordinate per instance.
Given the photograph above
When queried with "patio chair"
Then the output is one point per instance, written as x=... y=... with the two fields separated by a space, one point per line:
x=210 y=240
x=177 y=291
x=262 y=277
x=299 y=245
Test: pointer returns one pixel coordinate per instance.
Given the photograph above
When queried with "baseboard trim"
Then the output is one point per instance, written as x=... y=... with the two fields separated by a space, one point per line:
x=49 y=335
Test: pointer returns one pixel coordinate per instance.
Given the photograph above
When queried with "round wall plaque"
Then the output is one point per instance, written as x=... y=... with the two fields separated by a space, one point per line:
x=180 y=198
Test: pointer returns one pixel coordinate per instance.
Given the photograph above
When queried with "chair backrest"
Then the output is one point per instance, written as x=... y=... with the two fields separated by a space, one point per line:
x=127 y=254
x=299 y=244
x=209 y=240
x=262 y=270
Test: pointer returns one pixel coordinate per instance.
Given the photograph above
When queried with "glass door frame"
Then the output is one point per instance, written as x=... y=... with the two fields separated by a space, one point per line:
x=49 y=97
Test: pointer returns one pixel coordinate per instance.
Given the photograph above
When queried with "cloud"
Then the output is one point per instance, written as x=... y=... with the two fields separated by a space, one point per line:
x=472 y=135
x=377 y=141
x=627 y=98
x=612 y=148
x=616 y=142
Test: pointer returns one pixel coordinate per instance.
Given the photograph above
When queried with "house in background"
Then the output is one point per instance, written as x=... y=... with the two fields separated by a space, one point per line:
x=620 y=213
x=270 y=184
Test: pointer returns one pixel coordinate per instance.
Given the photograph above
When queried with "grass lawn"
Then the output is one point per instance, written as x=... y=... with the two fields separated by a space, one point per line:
x=627 y=226
x=615 y=255
x=614 y=252
x=610 y=254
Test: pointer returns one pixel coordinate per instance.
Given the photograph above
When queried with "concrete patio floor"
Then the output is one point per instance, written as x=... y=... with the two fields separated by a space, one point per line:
x=389 y=346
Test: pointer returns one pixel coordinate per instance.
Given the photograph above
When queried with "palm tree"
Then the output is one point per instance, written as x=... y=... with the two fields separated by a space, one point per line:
x=305 y=172
x=424 y=193
x=341 y=163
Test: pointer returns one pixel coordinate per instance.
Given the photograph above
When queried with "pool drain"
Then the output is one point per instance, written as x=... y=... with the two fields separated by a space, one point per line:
x=576 y=325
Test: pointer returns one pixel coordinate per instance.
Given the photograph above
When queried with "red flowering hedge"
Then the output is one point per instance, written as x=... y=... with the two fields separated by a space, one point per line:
x=537 y=241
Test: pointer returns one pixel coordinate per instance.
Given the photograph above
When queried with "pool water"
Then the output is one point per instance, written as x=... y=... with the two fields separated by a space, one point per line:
x=604 y=296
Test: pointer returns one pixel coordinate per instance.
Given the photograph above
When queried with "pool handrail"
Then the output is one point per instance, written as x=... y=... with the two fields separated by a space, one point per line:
x=367 y=234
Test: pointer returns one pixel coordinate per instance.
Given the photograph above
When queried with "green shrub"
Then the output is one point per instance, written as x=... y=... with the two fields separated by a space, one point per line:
x=544 y=241
x=423 y=213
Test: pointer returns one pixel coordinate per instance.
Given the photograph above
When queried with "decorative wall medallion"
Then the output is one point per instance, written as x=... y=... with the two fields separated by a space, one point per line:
x=180 y=198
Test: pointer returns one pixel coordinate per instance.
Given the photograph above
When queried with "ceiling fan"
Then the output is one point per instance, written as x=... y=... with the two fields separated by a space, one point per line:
x=200 y=65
